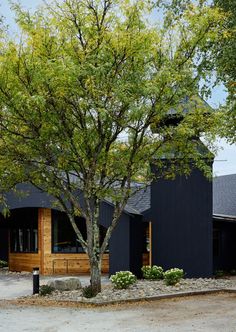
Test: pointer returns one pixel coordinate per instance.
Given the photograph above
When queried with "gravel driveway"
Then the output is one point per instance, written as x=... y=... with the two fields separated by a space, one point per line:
x=200 y=313
x=207 y=313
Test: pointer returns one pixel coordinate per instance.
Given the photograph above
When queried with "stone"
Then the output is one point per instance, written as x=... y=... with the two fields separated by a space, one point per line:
x=25 y=273
x=65 y=284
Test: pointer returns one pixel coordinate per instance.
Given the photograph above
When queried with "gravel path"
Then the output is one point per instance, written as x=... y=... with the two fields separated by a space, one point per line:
x=202 y=314
x=208 y=313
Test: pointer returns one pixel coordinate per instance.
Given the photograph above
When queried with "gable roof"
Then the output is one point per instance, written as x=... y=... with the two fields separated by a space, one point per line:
x=224 y=195
x=141 y=200
x=138 y=203
x=224 y=198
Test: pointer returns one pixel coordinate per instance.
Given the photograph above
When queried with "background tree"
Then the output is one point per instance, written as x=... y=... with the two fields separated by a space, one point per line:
x=80 y=91
x=225 y=60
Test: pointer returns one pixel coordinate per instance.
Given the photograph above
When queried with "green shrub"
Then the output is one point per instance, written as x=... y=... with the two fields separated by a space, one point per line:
x=45 y=290
x=123 y=279
x=3 y=264
x=152 y=272
x=233 y=272
x=173 y=276
x=88 y=292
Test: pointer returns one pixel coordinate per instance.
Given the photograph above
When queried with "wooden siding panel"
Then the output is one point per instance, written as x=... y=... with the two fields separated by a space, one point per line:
x=23 y=261
x=146 y=260
x=71 y=264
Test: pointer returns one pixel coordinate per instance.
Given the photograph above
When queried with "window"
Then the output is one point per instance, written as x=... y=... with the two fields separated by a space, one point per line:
x=24 y=230
x=146 y=237
x=64 y=239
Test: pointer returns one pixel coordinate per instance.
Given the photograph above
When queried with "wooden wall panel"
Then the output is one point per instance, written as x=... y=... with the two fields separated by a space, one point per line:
x=146 y=260
x=70 y=264
x=45 y=236
x=23 y=261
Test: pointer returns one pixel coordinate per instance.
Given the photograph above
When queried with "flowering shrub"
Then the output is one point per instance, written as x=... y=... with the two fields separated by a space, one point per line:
x=123 y=279
x=152 y=272
x=173 y=276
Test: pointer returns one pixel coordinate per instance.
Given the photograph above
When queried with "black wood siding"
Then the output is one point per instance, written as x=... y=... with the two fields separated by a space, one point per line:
x=182 y=224
x=125 y=247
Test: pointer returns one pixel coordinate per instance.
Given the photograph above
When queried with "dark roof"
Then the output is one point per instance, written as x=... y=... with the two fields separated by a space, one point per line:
x=177 y=113
x=224 y=198
x=128 y=209
x=224 y=195
x=140 y=201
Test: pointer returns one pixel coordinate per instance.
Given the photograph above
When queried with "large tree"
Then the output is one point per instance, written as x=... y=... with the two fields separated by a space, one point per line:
x=225 y=61
x=80 y=90
x=226 y=50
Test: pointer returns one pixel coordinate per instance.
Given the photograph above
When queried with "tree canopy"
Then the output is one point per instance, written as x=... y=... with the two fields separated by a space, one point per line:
x=224 y=56
x=226 y=52
x=81 y=90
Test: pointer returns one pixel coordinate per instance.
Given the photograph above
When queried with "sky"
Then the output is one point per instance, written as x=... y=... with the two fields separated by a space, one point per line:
x=225 y=161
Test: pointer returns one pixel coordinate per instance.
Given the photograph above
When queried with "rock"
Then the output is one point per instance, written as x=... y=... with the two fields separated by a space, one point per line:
x=65 y=284
x=4 y=268
x=25 y=273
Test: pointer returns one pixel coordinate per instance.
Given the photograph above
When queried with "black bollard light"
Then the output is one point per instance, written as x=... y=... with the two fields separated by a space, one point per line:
x=35 y=280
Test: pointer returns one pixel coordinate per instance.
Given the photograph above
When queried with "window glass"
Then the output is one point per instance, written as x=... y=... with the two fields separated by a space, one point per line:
x=146 y=238
x=24 y=230
x=64 y=239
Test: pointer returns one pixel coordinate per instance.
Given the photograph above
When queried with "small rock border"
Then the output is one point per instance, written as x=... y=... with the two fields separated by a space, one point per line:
x=5 y=271
x=142 y=290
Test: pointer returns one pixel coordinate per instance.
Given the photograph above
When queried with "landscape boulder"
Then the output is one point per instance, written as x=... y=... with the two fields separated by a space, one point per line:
x=65 y=284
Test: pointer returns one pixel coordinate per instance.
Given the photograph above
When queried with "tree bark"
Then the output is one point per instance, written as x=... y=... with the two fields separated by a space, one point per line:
x=95 y=266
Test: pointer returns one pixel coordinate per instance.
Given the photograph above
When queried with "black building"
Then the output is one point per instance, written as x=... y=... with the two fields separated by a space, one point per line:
x=224 y=223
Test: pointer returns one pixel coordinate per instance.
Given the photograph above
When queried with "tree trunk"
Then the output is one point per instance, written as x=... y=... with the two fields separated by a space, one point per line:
x=95 y=266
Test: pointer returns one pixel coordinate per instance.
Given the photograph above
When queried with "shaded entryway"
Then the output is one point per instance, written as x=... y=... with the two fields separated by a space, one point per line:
x=224 y=243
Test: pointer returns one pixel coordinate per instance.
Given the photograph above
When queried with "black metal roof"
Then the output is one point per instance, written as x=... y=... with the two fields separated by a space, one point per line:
x=224 y=195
